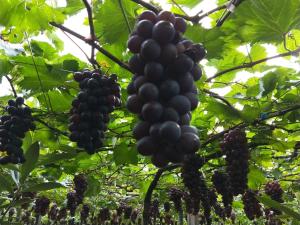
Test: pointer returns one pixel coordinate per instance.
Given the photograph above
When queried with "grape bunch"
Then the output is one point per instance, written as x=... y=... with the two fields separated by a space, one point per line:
x=193 y=179
x=221 y=183
x=13 y=127
x=235 y=147
x=176 y=196
x=274 y=190
x=41 y=206
x=162 y=91
x=84 y=213
x=252 y=208
x=72 y=203
x=80 y=184
x=53 y=212
x=104 y=215
x=99 y=95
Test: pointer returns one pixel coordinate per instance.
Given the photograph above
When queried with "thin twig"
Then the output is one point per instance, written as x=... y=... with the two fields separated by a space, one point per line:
x=99 y=48
x=244 y=125
x=11 y=85
x=92 y=33
x=215 y=95
x=125 y=16
x=179 y=7
x=195 y=19
x=38 y=74
x=68 y=36
x=200 y=17
x=251 y=64
x=51 y=128
x=147 y=5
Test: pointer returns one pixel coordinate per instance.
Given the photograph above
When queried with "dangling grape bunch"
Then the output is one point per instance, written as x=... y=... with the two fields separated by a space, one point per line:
x=237 y=154
x=252 y=208
x=13 y=127
x=99 y=95
x=162 y=91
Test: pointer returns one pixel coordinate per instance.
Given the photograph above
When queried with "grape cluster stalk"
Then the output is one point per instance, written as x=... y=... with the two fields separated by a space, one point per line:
x=13 y=127
x=99 y=95
x=162 y=91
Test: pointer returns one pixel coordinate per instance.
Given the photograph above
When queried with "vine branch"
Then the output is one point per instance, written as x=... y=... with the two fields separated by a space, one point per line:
x=244 y=125
x=95 y=45
x=194 y=19
x=92 y=32
x=11 y=85
x=215 y=95
x=254 y=63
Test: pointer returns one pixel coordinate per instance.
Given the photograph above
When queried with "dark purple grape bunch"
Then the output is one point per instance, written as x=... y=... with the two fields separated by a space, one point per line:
x=80 y=187
x=189 y=203
x=221 y=183
x=193 y=179
x=127 y=212
x=53 y=212
x=155 y=208
x=176 y=196
x=104 y=214
x=13 y=127
x=252 y=208
x=72 y=203
x=99 y=95
x=235 y=147
x=274 y=190
x=62 y=214
x=213 y=202
x=162 y=91
x=41 y=206
x=84 y=213
x=167 y=207
x=134 y=216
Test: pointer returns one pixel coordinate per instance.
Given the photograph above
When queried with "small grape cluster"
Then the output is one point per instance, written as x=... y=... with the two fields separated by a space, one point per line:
x=104 y=215
x=212 y=197
x=53 y=212
x=72 y=202
x=99 y=95
x=127 y=212
x=162 y=91
x=274 y=190
x=189 y=203
x=80 y=188
x=75 y=198
x=252 y=208
x=154 y=211
x=222 y=185
x=13 y=127
x=167 y=207
x=41 y=206
x=235 y=147
x=176 y=196
x=84 y=213
x=193 y=179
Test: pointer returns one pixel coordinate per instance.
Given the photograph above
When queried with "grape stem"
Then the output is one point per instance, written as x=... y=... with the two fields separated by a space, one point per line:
x=92 y=33
x=11 y=85
x=194 y=19
x=215 y=95
x=94 y=44
x=255 y=122
x=252 y=64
